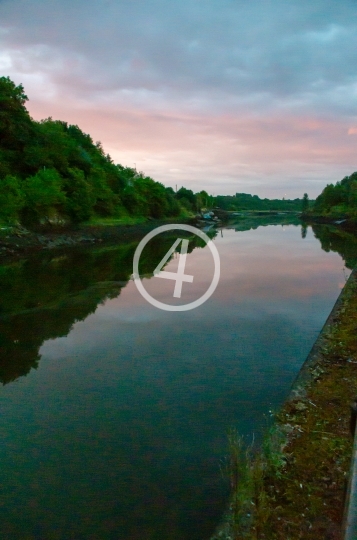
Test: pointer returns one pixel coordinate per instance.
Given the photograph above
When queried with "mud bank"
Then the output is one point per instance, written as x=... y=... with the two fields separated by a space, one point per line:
x=17 y=241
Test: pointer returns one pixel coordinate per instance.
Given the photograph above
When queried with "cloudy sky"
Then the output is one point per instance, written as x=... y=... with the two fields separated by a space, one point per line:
x=227 y=95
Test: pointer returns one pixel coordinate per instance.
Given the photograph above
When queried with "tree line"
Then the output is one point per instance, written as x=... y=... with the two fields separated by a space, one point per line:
x=245 y=201
x=337 y=201
x=50 y=171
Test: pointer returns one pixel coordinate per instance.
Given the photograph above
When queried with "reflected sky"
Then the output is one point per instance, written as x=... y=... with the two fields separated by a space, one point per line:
x=121 y=431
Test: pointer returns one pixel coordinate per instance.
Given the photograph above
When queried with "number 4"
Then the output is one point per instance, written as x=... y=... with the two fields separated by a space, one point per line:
x=180 y=275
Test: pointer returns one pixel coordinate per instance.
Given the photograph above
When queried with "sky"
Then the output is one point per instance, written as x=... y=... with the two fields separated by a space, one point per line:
x=230 y=96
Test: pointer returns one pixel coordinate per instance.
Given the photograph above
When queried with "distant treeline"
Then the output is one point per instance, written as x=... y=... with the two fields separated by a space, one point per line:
x=244 y=201
x=50 y=171
x=337 y=201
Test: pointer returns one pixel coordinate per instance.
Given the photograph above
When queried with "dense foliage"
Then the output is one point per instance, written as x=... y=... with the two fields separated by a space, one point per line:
x=339 y=200
x=52 y=171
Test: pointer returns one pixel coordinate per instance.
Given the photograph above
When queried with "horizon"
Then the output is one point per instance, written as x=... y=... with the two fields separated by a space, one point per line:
x=225 y=97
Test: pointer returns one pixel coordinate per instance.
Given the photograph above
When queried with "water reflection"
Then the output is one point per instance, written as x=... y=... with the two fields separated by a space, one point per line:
x=43 y=296
x=303 y=231
x=120 y=431
x=337 y=240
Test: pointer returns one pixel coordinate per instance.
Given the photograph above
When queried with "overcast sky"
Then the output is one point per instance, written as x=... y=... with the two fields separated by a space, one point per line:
x=224 y=95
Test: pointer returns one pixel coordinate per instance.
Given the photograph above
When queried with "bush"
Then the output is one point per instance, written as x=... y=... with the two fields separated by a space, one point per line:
x=11 y=199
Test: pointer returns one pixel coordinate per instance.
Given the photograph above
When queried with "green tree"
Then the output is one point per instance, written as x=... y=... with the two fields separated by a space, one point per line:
x=11 y=199
x=43 y=194
x=352 y=199
x=104 y=200
x=305 y=203
x=173 y=206
x=16 y=126
x=80 y=200
x=187 y=198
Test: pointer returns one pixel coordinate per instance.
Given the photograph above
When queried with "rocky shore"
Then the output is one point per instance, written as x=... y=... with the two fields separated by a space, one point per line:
x=18 y=241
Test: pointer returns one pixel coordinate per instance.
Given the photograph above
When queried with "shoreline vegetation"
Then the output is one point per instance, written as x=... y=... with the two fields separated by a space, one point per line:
x=336 y=204
x=294 y=486
x=52 y=174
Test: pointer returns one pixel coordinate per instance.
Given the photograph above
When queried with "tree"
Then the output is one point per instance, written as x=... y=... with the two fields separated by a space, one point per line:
x=80 y=200
x=305 y=203
x=202 y=200
x=352 y=199
x=16 y=126
x=11 y=199
x=104 y=198
x=173 y=207
x=187 y=198
x=43 y=194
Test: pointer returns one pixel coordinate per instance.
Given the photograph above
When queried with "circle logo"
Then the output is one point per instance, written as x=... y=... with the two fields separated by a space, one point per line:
x=179 y=277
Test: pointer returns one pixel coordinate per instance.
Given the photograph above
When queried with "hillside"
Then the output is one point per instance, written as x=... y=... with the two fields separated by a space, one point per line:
x=52 y=172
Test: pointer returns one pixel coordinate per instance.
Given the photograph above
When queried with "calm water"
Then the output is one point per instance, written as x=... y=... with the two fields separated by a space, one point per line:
x=114 y=414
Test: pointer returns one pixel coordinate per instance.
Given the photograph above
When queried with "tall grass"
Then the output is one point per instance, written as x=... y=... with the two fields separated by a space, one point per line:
x=249 y=470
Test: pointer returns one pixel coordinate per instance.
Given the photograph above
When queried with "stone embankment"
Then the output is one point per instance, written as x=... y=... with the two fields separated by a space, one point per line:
x=298 y=486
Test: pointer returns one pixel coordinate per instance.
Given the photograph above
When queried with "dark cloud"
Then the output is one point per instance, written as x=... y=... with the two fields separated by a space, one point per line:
x=280 y=48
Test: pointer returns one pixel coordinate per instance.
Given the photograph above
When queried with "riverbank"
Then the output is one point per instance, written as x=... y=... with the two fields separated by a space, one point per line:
x=342 y=221
x=295 y=486
x=17 y=241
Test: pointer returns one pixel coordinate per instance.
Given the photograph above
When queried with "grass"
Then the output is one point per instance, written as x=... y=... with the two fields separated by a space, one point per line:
x=133 y=220
x=293 y=488
x=112 y=221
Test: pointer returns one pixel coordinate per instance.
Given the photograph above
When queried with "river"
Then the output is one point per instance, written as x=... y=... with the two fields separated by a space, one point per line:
x=114 y=413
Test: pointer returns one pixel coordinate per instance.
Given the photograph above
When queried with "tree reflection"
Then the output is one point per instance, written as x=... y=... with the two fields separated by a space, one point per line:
x=44 y=296
x=337 y=240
